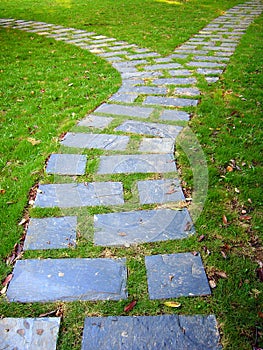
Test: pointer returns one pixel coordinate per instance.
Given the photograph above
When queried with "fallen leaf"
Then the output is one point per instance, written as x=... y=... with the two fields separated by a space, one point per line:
x=195 y=253
x=61 y=274
x=21 y=332
x=223 y=254
x=122 y=234
x=171 y=277
x=237 y=190
x=130 y=306
x=172 y=304
x=229 y=168
x=2 y=191
x=40 y=331
x=221 y=274
x=260 y=314
x=245 y=217
x=33 y=141
x=201 y=238
x=224 y=218
x=212 y=284
x=3 y=290
x=7 y=280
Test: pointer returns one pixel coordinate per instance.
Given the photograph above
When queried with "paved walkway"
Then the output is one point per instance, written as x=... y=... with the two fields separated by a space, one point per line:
x=156 y=93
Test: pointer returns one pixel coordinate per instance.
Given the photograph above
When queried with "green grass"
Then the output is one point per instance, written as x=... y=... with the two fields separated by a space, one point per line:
x=39 y=103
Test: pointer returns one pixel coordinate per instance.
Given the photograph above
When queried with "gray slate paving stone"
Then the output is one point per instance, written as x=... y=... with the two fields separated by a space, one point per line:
x=206 y=64
x=211 y=80
x=95 y=121
x=170 y=101
x=124 y=97
x=164 y=332
x=180 y=72
x=98 y=141
x=142 y=226
x=137 y=163
x=153 y=129
x=162 y=66
x=79 y=195
x=29 y=333
x=174 y=115
x=145 y=90
x=51 y=280
x=187 y=91
x=67 y=164
x=207 y=71
x=157 y=145
x=176 y=275
x=51 y=233
x=131 y=111
x=160 y=191
x=174 y=81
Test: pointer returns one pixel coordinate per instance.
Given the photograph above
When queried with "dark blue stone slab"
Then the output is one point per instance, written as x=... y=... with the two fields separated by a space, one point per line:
x=176 y=275
x=160 y=191
x=165 y=332
x=67 y=164
x=153 y=129
x=137 y=163
x=170 y=101
x=68 y=280
x=142 y=226
x=131 y=111
x=51 y=233
x=29 y=333
x=79 y=195
x=98 y=141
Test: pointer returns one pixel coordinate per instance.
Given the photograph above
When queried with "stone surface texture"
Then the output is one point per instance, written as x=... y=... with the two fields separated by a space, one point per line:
x=29 y=333
x=67 y=280
x=165 y=332
x=67 y=164
x=176 y=275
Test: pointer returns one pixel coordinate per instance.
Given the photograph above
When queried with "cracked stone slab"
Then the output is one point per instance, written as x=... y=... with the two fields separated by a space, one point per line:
x=157 y=145
x=130 y=111
x=174 y=81
x=142 y=226
x=176 y=275
x=29 y=333
x=98 y=141
x=67 y=164
x=51 y=233
x=50 y=280
x=170 y=101
x=170 y=114
x=154 y=129
x=160 y=191
x=137 y=163
x=72 y=195
x=95 y=121
x=164 y=332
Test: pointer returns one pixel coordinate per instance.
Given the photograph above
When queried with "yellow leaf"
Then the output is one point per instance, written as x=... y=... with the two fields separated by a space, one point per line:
x=172 y=304
x=33 y=141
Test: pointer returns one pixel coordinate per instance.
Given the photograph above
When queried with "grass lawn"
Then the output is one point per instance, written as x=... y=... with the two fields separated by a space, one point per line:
x=46 y=86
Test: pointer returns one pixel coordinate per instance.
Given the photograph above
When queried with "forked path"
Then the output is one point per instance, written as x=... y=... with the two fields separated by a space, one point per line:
x=156 y=95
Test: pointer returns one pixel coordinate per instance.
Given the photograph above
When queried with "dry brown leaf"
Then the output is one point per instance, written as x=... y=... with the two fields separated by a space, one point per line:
x=224 y=218
x=7 y=280
x=33 y=141
x=130 y=306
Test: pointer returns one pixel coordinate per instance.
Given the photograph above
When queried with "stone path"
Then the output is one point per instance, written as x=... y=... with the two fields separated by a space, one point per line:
x=156 y=93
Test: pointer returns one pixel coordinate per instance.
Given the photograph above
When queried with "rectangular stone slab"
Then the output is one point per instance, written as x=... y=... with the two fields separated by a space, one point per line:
x=157 y=145
x=79 y=195
x=176 y=275
x=50 y=280
x=142 y=226
x=131 y=111
x=51 y=233
x=67 y=164
x=98 y=141
x=170 y=101
x=137 y=163
x=95 y=121
x=29 y=333
x=160 y=191
x=164 y=332
x=174 y=81
x=170 y=114
x=153 y=129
